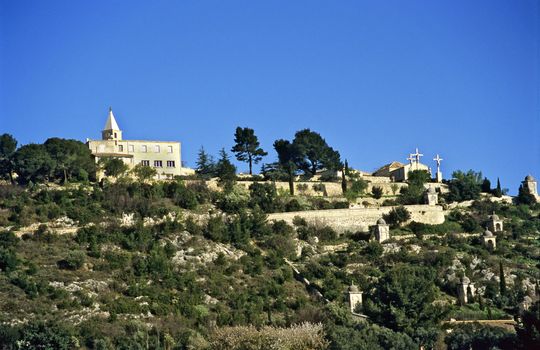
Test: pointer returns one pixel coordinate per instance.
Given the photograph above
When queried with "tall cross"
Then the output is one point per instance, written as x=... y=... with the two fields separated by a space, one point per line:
x=438 y=159
x=417 y=155
x=410 y=159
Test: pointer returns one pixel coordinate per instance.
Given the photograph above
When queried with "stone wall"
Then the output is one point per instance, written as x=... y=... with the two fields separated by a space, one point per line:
x=359 y=219
x=308 y=188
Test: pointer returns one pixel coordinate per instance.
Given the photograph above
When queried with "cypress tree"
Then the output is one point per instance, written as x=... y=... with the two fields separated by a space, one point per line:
x=498 y=190
x=344 y=173
x=502 y=280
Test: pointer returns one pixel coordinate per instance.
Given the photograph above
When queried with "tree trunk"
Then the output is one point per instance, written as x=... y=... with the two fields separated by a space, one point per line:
x=250 y=160
x=291 y=184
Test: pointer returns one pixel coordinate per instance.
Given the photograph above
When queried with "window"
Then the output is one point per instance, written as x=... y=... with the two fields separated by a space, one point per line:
x=158 y=163
x=131 y=148
x=144 y=149
x=120 y=148
x=156 y=148
x=169 y=149
x=170 y=164
x=145 y=162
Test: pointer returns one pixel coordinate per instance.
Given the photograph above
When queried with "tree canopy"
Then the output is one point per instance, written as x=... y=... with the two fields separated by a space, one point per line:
x=403 y=301
x=8 y=145
x=464 y=186
x=314 y=153
x=247 y=147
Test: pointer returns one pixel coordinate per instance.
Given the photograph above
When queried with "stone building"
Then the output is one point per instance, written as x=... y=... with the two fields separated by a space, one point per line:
x=381 y=230
x=490 y=241
x=431 y=197
x=355 y=298
x=530 y=184
x=466 y=291
x=164 y=156
x=495 y=224
x=398 y=172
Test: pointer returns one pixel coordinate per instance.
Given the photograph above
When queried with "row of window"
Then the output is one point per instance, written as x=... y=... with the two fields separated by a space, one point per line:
x=159 y=163
x=144 y=148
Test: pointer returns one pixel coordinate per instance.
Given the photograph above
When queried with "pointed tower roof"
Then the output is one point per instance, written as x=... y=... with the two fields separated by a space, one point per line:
x=111 y=123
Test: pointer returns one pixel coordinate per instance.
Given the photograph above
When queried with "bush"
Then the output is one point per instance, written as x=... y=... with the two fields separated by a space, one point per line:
x=397 y=216
x=74 y=261
x=377 y=192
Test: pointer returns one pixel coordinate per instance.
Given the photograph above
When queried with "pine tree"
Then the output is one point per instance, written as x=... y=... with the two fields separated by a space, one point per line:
x=205 y=164
x=225 y=170
x=247 y=147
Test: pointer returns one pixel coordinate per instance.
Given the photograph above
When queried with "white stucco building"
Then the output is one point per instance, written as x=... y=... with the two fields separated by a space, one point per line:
x=164 y=156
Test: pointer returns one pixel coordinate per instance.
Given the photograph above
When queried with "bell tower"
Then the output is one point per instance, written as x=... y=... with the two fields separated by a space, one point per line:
x=112 y=130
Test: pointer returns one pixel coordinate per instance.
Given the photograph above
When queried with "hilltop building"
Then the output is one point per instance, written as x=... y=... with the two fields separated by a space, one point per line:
x=398 y=172
x=164 y=156
x=531 y=185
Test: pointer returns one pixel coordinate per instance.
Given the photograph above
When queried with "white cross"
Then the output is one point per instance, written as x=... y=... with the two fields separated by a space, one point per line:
x=438 y=160
x=410 y=159
x=417 y=155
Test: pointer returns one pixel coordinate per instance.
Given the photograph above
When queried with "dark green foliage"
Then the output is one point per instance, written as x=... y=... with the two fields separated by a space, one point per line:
x=74 y=261
x=502 y=279
x=247 y=147
x=8 y=145
x=274 y=172
x=486 y=185
x=113 y=166
x=206 y=167
x=403 y=300
x=144 y=172
x=525 y=197
x=289 y=155
x=72 y=158
x=181 y=195
x=40 y=335
x=464 y=186
x=528 y=331
x=358 y=188
x=498 y=192
x=8 y=259
x=373 y=250
x=314 y=153
x=368 y=336
x=377 y=192
x=32 y=163
x=414 y=193
x=263 y=195
x=225 y=170
x=397 y=216
x=476 y=336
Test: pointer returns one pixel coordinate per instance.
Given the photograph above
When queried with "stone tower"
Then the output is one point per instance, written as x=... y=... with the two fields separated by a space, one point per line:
x=431 y=196
x=530 y=184
x=382 y=231
x=466 y=290
x=112 y=130
x=490 y=241
x=495 y=224
x=355 y=297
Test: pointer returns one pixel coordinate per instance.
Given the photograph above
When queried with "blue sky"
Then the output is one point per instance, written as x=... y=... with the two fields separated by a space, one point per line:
x=375 y=78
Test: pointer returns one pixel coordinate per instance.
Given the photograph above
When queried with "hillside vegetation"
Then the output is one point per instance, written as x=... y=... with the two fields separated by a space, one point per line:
x=131 y=263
